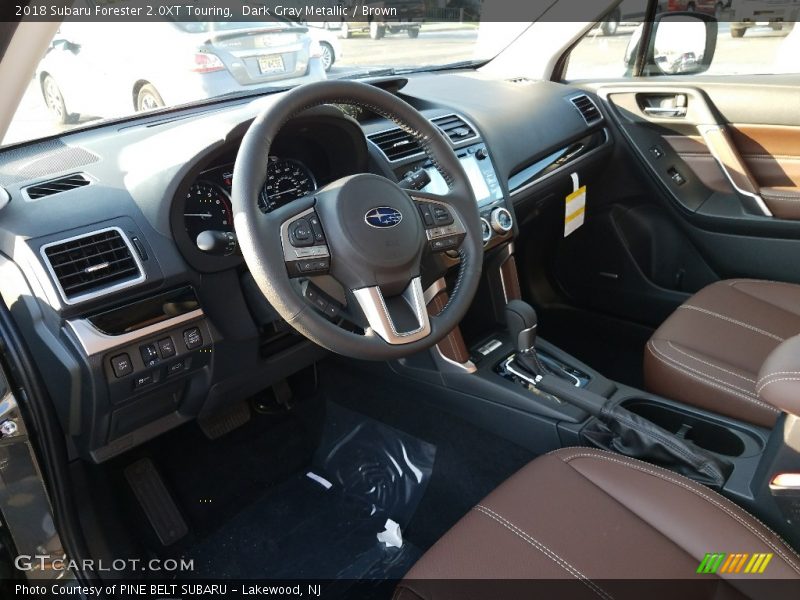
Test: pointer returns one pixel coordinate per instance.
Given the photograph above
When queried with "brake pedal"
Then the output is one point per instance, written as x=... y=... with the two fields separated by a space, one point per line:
x=156 y=501
x=221 y=423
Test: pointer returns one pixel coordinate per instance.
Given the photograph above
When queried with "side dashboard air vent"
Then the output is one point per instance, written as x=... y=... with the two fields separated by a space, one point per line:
x=454 y=127
x=396 y=144
x=93 y=264
x=587 y=108
x=56 y=186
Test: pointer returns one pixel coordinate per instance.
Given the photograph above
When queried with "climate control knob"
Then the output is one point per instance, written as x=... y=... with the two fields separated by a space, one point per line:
x=486 y=231
x=501 y=220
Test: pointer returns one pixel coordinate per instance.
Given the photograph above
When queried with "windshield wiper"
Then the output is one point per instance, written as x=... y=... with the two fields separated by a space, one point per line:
x=462 y=64
x=381 y=72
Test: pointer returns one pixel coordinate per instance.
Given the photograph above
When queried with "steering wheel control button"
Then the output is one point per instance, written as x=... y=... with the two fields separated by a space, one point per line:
x=441 y=216
x=501 y=220
x=443 y=244
x=316 y=230
x=192 y=338
x=427 y=215
x=149 y=355
x=301 y=234
x=166 y=347
x=320 y=301
x=121 y=365
x=313 y=266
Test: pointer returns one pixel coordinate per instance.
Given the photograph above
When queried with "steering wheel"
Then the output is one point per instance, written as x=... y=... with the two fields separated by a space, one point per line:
x=363 y=230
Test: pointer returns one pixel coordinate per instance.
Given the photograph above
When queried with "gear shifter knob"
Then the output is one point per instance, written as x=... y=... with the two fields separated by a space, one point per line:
x=521 y=321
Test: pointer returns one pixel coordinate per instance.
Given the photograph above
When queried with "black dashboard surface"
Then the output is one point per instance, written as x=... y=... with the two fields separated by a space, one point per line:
x=140 y=173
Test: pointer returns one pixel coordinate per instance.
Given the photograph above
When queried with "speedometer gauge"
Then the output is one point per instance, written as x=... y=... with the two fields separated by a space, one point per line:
x=287 y=180
x=207 y=207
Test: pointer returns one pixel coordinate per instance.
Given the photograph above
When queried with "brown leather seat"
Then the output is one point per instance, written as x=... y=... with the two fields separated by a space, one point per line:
x=592 y=516
x=708 y=353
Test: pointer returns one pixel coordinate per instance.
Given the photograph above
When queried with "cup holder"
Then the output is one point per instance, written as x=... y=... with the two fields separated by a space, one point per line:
x=705 y=433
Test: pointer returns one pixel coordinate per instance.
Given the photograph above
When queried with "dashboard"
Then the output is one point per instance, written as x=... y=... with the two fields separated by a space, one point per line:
x=177 y=328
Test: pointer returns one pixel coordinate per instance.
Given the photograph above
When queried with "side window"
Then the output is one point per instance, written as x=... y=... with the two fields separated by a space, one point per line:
x=743 y=48
x=601 y=54
x=756 y=48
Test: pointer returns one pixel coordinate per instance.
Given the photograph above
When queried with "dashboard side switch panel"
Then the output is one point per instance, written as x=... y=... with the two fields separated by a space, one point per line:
x=121 y=365
x=192 y=338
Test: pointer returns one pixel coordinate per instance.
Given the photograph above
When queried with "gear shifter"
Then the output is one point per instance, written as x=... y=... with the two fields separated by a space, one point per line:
x=521 y=320
x=522 y=323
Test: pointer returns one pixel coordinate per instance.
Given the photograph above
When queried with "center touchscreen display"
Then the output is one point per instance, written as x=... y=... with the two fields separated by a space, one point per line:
x=484 y=185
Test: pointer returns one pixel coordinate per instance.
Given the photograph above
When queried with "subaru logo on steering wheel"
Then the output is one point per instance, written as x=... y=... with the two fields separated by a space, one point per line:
x=383 y=217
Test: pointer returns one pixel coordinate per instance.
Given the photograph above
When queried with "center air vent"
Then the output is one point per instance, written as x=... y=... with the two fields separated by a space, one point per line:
x=396 y=144
x=93 y=264
x=455 y=128
x=588 y=109
x=56 y=186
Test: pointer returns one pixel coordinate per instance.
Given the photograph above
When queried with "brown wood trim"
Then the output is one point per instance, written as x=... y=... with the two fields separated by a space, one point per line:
x=509 y=276
x=453 y=346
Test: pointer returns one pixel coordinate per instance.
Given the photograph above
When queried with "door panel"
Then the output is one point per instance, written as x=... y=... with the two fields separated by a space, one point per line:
x=652 y=114
x=772 y=153
x=719 y=196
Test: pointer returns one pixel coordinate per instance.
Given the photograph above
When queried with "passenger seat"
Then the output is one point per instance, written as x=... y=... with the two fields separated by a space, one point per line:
x=709 y=351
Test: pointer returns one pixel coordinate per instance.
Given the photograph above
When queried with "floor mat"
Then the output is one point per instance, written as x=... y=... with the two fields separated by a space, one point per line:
x=324 y=526
x=470 y=461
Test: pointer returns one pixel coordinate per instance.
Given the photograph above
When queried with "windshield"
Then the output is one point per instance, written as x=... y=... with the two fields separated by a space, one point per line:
x=95 y=71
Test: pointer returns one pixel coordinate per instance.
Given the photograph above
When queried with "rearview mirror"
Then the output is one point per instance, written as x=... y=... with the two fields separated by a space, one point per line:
x=679 y=44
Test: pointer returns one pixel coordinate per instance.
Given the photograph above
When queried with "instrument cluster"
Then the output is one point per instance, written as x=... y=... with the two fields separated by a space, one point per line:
x=208 y=201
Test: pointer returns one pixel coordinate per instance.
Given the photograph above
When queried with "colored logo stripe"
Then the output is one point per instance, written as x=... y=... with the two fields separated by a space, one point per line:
x=721 y=562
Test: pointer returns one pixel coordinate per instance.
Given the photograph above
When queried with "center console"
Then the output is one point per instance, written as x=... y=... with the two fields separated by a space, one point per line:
x=497 y=373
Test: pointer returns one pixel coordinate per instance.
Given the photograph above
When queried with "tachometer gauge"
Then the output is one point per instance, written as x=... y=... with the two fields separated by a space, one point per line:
x=287 y=180
x=207 y=207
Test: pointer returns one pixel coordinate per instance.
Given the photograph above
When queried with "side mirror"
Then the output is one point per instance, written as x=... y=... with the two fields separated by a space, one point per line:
x=681 y=43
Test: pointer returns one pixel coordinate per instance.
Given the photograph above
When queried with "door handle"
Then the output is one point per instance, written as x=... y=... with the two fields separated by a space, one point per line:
x=665 y=111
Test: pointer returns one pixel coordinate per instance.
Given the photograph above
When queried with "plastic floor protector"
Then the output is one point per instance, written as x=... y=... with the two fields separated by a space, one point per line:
x=324 y=522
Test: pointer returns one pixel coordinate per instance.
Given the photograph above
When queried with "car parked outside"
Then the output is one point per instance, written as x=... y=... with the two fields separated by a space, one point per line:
x=399 y=16
x=330 y=48
x=744 y=14
x=168 y=63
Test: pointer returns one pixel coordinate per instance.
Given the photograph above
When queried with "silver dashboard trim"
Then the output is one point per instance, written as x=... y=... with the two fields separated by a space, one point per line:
x=560 y=169
x=104 y=291
x=93 y=341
